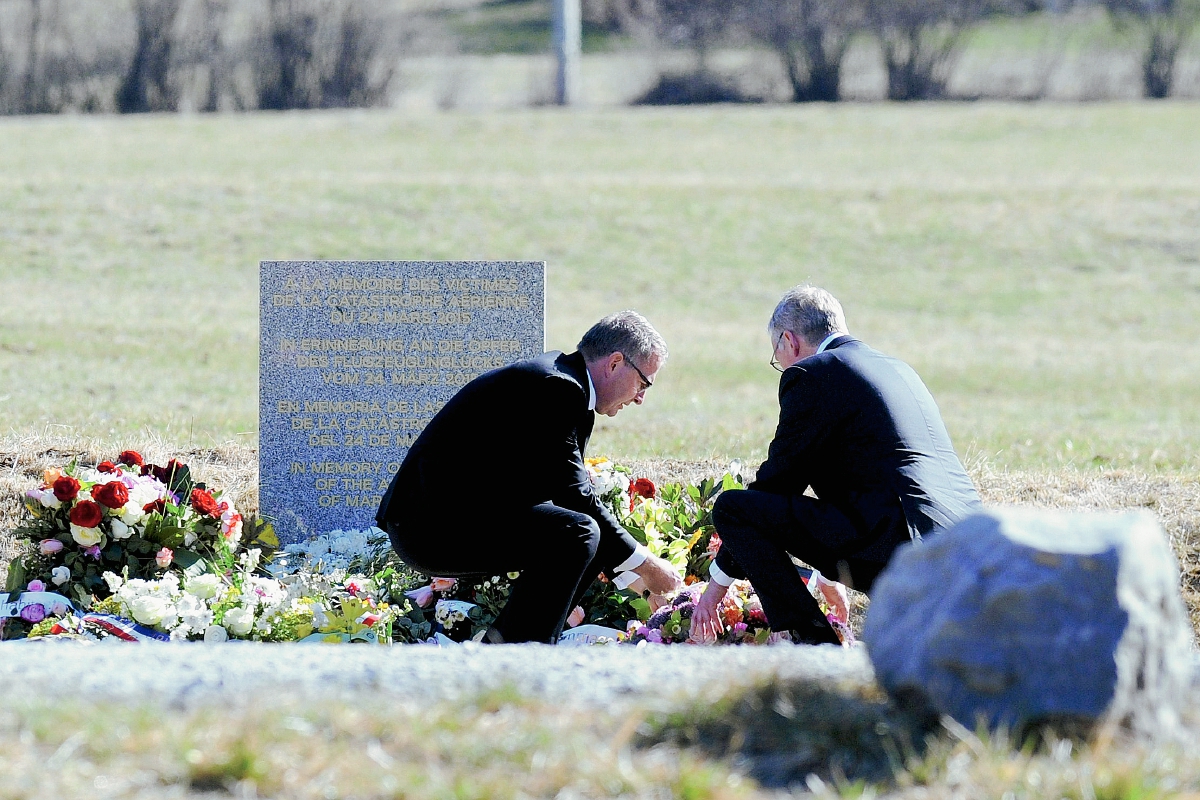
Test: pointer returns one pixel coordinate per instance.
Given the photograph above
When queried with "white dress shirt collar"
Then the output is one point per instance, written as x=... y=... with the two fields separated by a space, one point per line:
x=591 y=390
x=828 y=339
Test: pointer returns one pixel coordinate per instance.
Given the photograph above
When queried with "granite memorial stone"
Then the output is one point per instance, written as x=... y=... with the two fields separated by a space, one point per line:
x=357 y=356
x=1022 y=616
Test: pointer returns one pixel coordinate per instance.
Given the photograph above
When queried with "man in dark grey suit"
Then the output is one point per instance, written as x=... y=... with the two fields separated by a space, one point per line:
x=862 y=432
x=449 y=512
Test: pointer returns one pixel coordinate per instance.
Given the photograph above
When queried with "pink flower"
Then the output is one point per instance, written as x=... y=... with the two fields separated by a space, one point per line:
x=33 y=613
x=575 y=617
x=93 y=551
x=164 y=557
x=353 y=588
x=443 y=584
x=740 y=628
x=36 y=586
x=50 y=546
x=423 y=597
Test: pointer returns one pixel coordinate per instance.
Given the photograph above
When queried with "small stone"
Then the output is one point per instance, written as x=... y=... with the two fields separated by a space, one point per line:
x=1024 y=617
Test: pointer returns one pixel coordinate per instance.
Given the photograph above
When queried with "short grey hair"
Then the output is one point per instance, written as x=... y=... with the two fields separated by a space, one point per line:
x=625 y=332
x=808 y=311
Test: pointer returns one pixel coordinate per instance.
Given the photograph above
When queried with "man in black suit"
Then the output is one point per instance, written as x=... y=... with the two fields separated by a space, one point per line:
x=449 y=512
x=862 y=432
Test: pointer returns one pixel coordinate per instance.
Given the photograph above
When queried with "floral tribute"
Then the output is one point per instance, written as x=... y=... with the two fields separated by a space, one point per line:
x=674 y=521
x=136 y=551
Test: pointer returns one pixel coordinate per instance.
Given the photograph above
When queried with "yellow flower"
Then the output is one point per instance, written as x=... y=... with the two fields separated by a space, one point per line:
x=596 y=461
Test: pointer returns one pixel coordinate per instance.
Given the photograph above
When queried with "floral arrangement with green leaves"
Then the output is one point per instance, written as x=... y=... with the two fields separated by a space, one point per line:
x=123 y=516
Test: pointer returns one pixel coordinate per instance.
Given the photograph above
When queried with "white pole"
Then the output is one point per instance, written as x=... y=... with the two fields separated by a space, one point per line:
x=568 y=46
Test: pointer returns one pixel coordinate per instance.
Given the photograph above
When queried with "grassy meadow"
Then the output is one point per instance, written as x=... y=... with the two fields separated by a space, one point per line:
x=1038 y=264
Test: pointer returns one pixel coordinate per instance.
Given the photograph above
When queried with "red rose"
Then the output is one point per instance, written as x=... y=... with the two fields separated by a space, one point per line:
x=106 y=467
x=130 y=458
x=205 y=503
x=156 y=507
x=66 y=488
x=112 y=494
x=87 y=514
x=643 y=487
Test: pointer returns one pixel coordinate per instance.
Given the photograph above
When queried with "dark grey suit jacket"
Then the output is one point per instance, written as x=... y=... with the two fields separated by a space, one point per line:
x=863 y=431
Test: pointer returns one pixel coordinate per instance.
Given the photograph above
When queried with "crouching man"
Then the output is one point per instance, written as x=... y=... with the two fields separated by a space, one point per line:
x=861 y=430
x=496 y=482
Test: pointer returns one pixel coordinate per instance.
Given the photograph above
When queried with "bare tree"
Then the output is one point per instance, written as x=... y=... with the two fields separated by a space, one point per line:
x=811 y=38
x=920 y=40
x=696 y=24
x=147 y=86
x=1165 y=26
x=326 y=54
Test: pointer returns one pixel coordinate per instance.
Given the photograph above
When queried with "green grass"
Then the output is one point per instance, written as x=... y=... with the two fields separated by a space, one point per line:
x=1038 y=264
x=502 y=745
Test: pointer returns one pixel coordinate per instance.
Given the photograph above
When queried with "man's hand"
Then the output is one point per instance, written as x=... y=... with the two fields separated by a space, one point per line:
x=706 y=618
x=659 y=576
x=836 y=598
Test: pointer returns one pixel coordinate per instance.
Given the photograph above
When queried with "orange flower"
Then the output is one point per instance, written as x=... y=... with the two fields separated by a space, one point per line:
x=443 y=584
x=688 y=580
x=51 y=475
x=731 y=615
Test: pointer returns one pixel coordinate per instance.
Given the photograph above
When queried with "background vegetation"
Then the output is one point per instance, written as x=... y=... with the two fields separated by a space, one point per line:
x=228 y=55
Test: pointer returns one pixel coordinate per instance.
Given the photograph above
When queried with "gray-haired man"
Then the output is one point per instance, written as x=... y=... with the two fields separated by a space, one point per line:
x=449 y=513
x=861 y=430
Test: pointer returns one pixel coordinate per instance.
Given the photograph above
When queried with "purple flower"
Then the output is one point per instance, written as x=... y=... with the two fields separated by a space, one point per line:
x=654 y=636
x=93 y=551
x=50 y=546
x=685 y=610
x=36 y=586
x=659 y=618
x=35 y=612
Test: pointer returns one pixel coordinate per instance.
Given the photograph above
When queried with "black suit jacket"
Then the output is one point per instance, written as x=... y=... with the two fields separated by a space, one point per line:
x=864 y=433
x=512 y=438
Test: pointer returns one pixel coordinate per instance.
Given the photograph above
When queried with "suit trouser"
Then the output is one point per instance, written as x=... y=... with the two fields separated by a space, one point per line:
x=558 y=552
x=761 y=530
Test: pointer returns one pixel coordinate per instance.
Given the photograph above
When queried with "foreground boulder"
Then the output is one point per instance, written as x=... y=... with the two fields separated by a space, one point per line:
x=1026 y=617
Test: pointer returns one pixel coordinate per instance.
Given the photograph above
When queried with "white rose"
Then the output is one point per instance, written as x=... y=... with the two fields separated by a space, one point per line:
x=239 y=620
x=215 y=633
x=45 y=497
x=189 y=538
x=204 y=586
x=86 y=537
x=60 y=575
x=120 y=530
x=148 y=610
x=131 y=513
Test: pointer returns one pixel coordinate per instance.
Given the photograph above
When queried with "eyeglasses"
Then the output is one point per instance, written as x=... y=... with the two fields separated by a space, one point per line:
x=774 y=362
x=648 y=383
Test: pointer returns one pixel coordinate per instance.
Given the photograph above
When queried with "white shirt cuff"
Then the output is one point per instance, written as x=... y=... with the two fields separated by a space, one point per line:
x=717 y=575
x=640 y=554
x=623 y=579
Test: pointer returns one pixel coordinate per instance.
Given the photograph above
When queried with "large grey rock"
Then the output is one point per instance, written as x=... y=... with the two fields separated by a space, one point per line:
x=1024 y=616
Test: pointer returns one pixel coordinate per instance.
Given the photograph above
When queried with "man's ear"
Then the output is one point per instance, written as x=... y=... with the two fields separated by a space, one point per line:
x=614 y=361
